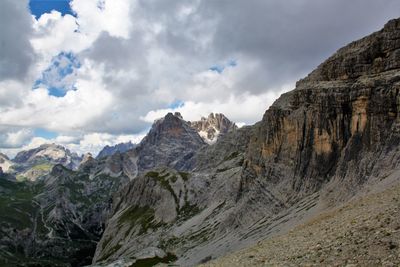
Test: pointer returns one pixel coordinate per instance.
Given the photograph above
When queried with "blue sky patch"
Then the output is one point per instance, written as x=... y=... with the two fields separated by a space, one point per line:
x=40 y=132
x=217 y=68
x=176 y=104
x=40 y=7
x=221 y=67
x=59 y=77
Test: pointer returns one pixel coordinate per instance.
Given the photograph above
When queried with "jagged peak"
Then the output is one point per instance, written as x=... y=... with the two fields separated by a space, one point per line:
x=212 y=127
x=109 y=150
x=371 y=55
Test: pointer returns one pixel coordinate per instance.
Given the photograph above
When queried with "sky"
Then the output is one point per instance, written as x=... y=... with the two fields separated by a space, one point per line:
x=90 y=73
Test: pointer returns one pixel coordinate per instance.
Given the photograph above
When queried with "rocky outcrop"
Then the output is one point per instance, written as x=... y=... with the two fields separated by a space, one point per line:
x=48 y=153
x=170 y=142
x=5 y=163
x=212 y=127
x=110 y=150
x=337 y=132
x=340 y=125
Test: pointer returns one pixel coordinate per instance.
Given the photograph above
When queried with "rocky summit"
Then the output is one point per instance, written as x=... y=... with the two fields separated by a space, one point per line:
x=51 y=153
x=315 y=182
x=212 y=127
x=110 y=150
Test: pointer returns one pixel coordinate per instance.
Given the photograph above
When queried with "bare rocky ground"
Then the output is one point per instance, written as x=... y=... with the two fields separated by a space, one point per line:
x=362 y=232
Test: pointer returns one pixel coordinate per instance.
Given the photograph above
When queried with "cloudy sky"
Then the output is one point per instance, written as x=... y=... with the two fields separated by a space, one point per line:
x=89 y=73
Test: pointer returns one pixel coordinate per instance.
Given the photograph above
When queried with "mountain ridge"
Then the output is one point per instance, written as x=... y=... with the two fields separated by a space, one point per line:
x=315 y=147
x=175 y=199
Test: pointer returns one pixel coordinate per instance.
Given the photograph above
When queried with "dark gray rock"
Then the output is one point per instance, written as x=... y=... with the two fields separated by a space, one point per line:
x=110 y=150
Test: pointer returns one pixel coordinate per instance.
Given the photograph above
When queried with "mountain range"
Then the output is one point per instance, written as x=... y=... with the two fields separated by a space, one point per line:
x=191 y=192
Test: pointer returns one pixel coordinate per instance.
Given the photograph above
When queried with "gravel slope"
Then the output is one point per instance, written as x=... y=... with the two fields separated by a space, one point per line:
x=363 y=232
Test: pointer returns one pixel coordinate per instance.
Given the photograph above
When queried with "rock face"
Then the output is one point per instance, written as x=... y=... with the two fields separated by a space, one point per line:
x=340 y=125
x=110 y=150
x=321 y=143
x=5 y=163
x=213 y=126
x=170 y=142
x=48 y=153
x=339 y=237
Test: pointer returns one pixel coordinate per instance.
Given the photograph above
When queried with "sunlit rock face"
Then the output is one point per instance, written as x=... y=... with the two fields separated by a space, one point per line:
x=213 y=126
x=51 y=153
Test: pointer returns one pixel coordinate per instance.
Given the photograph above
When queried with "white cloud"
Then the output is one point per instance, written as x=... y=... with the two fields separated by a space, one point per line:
x=71 y=112
x=138 y=57
x=16 y=138
x=92 y=142
x=243 y=109
x=112 y=16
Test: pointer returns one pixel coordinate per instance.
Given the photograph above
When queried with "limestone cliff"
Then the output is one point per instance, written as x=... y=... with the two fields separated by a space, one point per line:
x=338 y=131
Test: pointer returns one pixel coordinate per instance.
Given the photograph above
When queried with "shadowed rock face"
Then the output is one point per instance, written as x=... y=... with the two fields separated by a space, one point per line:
x=110 y=150
x=170 y=141
x=321 y=143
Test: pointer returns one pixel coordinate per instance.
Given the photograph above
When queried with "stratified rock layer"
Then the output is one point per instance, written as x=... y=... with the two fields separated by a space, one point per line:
x=336 y=133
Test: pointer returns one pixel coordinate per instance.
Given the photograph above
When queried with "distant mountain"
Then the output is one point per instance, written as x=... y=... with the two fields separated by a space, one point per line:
x=173 y=199
x=38 y=162
x=49 y=153
x=212 y=127
x=110 y=150
x=5 y=163
x=170 y=141
x=333 y=138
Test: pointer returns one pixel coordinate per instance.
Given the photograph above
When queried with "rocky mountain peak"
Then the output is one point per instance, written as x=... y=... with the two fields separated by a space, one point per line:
x=110 y=150
x=51 y=153
x=87 y=157
x=371 y=55
x=172 y=126
x=213 y=126
x=169 y=140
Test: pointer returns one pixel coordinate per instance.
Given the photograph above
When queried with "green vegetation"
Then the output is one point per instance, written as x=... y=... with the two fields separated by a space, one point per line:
x=21 y=178
x=45 y=167
x=201 y=235
x=185 y=176
x=16 y=207
x=154 y=261
x=143 y=216
x=110 y=252
x=231 y=156
x=164 y=181
x=173 y=178
x=188 y=211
